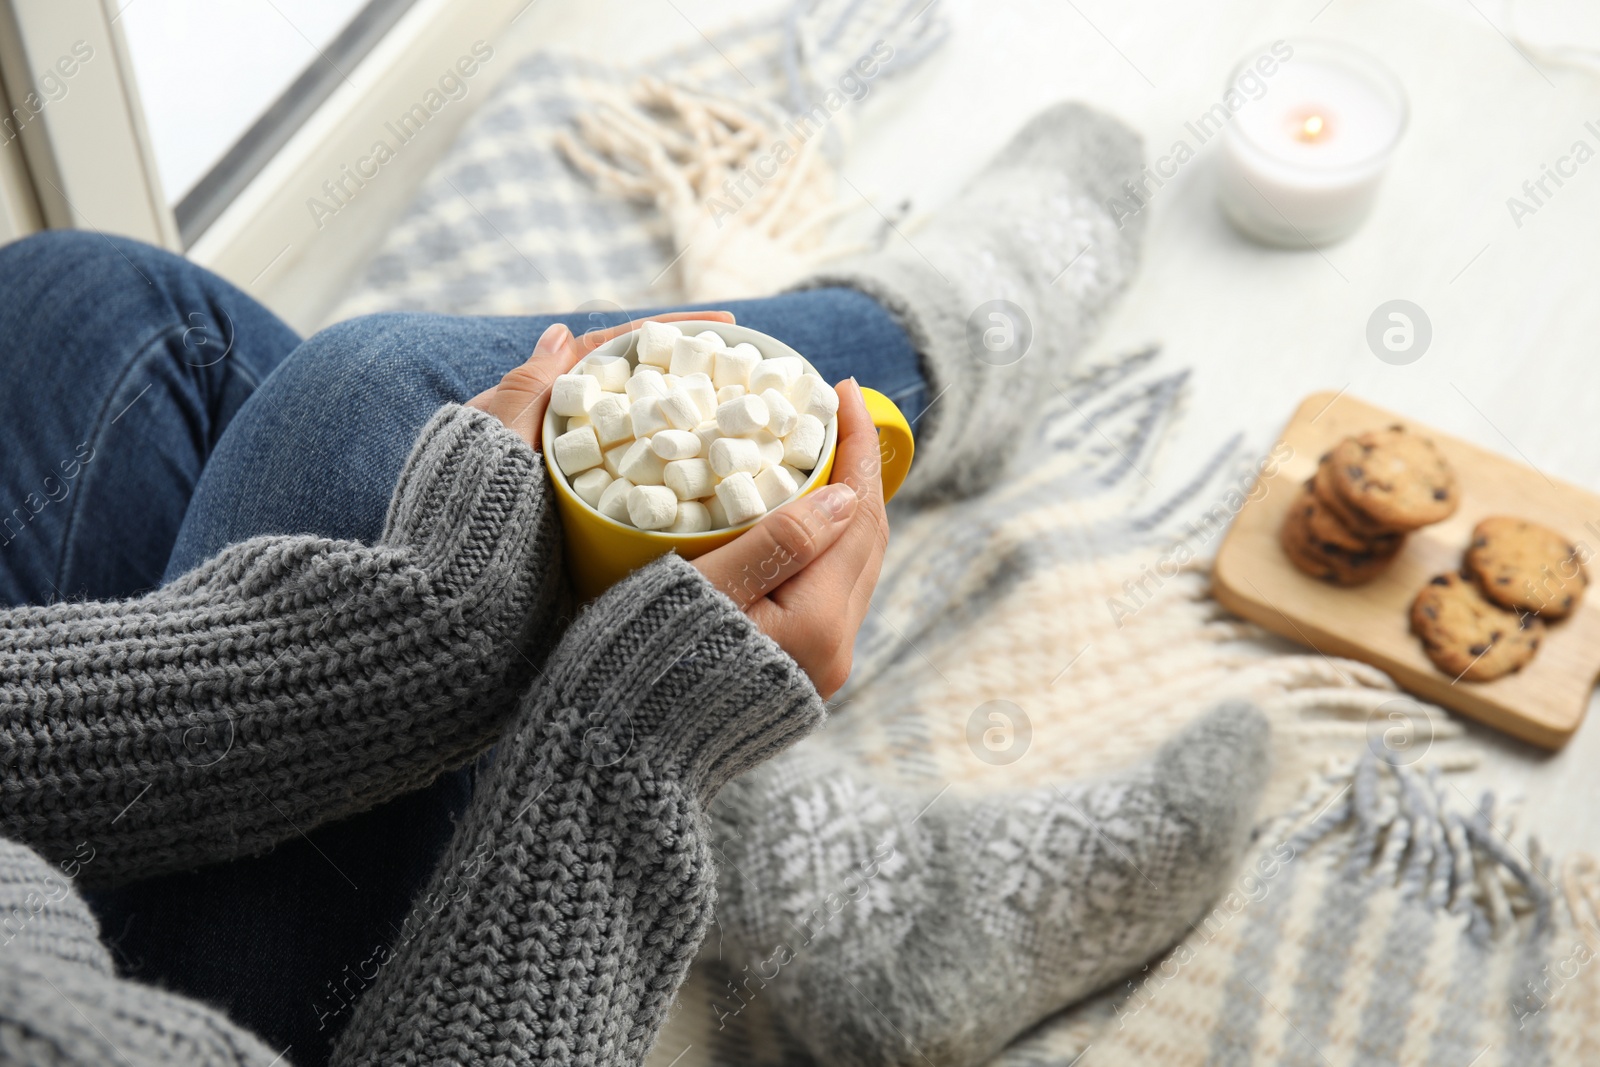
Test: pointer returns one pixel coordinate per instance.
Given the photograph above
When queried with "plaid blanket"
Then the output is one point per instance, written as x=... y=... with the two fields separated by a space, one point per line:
x=1384 y=916
x=504 y=225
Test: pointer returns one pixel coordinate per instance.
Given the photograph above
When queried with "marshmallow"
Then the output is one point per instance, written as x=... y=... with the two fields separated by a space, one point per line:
x=652 y=507
x=693 y=517
x=803 y=445
x=577 y=450
x=613 y=460
x=679 y=410
x=696 y=436
x=591 y=484
x=742 y=415
x=691 y=479
x=694 y=355
x=612 y=417
x=781 y=414
x=640 y=465
x=646 y=381
x=647 y=416
x=732 y=366
x=610 y=371
x=707 y=432
x=704 y=393
x=675 y=444
x=614 y=501
x=775 y=486
x=778 y=373
x=573 y=394
x=730 y=455
x=740 y=498
x=655 y=343
x=769 y=447
x=810 y=395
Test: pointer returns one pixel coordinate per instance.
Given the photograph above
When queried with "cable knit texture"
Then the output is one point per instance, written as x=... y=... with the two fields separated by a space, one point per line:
x=588 y=845
x=1032 y=230
x=289 y=681
x=579 y=884
x=59 y=1000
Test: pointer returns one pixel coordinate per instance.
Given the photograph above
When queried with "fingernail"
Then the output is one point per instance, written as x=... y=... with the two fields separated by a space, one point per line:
x=838 y=500
x=554 y=336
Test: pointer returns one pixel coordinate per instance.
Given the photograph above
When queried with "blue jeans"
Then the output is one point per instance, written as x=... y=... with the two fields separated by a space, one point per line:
x=151 y=414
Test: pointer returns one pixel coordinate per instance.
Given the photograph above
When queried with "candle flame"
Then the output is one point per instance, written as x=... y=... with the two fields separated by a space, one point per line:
x=1311 y=128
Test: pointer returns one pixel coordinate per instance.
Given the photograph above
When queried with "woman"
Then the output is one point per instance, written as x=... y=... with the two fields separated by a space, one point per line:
x=270 y=599
x=287 y=681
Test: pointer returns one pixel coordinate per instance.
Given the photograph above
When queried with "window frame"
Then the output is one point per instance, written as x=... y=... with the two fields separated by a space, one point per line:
x=198 y=208
x=95 y=128
x=263 y=238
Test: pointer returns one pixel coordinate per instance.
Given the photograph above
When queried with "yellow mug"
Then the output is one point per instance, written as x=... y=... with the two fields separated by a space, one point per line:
x=602 y=551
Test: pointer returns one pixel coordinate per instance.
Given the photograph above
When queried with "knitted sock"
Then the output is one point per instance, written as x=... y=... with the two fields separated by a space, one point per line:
x=894 y=930
x=1031 y=230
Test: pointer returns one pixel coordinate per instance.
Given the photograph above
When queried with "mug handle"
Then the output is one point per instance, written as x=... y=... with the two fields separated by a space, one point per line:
x=895 y=444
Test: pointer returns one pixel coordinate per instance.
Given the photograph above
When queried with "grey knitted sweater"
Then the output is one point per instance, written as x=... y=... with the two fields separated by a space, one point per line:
x=295 y=680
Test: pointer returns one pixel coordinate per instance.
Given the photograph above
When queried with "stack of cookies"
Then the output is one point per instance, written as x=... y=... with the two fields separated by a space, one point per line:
x=1352 y=517
x=1476 y=624
x=1489 y=619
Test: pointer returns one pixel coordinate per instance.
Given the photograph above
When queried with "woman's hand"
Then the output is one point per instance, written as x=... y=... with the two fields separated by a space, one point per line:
x=805 y=573
x=523 y=394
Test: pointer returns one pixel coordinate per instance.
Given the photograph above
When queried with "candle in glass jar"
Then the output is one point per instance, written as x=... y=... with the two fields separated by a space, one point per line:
x=1302 y=164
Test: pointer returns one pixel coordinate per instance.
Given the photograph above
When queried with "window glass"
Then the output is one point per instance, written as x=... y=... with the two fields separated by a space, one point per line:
x=224 y=83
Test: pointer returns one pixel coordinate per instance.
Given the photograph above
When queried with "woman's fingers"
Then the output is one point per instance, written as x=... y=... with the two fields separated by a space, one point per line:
x=523 y=394
x=859 y=461
x=858 y=464
x=780 y=545
x=806 y=573
x=595 y=338
x=851 y=568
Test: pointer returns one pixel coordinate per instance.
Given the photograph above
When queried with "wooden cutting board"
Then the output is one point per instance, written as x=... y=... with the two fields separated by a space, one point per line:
x=1543 y=703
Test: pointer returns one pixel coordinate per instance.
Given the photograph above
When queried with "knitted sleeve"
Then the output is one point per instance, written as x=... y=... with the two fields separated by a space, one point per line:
x=61 y=1001
x=288 y=681
x=579 y=885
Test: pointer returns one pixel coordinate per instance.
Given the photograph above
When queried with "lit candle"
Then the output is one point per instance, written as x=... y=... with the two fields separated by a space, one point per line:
x=1302 y=163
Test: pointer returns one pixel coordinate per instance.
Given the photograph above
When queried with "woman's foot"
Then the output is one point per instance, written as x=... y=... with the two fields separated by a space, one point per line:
x=897 y=930
x=1004 y=286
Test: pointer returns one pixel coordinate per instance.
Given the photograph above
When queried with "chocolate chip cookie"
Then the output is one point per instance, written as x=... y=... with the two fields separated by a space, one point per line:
x=1466 y=635
x=1352 y=518
x=1327 y=524
x=1395 y=477
x=1526 y=567
x=1329 y=559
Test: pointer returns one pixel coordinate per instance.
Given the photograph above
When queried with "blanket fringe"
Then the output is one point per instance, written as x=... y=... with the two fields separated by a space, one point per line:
x=1408 y=832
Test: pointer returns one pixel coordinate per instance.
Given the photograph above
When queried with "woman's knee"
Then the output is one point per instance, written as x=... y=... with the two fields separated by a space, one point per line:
x=85 y=305
x=359 y=391
x=318 y=447
x=403 y=364
x=86 y=260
